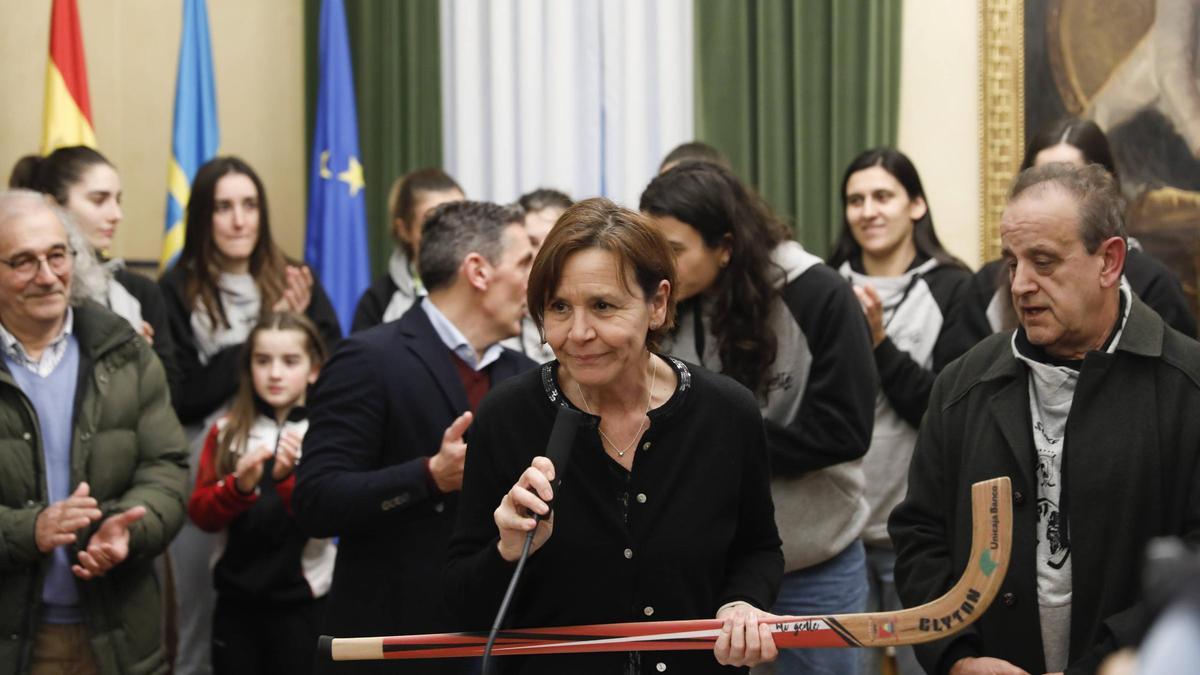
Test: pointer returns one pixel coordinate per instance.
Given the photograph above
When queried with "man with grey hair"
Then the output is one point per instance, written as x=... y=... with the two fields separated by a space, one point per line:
x=93 y=462
x=384 y=454
x=1088 y=407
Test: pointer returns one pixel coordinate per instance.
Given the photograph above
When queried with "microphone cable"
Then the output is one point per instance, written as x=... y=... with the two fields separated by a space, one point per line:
x=562 y=436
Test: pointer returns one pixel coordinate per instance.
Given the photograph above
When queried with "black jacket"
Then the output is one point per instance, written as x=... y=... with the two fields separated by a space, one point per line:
x=204 y=388
x=376 y=414
x=374 y=301
x=154 y=312
x=1132 y=473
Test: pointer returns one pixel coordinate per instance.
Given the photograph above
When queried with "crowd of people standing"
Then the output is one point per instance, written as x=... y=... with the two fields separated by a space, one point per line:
x=765 y=432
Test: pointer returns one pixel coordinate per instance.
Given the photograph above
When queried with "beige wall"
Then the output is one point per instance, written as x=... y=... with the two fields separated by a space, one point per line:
x=132 y=51
x=939 y=115
x=132 y=47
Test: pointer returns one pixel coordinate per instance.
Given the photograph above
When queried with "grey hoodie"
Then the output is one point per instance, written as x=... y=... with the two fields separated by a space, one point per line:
x=819 y=407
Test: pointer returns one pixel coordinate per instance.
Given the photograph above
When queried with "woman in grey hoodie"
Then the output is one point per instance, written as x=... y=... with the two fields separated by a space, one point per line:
x=907 y=285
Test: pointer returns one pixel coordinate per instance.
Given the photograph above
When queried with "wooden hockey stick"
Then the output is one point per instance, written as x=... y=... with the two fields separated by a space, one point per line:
x=991 y=539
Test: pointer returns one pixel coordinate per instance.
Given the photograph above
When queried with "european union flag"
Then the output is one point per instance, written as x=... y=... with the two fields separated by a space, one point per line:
x=336 y=239
x=196 y=134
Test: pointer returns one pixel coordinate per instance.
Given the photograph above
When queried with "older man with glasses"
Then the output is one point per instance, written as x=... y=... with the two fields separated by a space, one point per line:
x=93 y=463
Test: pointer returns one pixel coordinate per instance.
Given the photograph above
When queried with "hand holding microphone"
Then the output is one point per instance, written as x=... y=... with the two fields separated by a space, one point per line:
x=527 y=506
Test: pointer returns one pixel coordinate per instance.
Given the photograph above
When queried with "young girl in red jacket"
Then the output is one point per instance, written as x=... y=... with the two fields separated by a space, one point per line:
x=270 y=578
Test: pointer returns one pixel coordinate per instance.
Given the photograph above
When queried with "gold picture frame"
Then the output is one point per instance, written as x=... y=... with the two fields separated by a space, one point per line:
x=1001 y=111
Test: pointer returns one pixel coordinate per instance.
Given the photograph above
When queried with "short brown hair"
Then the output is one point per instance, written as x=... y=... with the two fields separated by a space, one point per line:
x=599 y=223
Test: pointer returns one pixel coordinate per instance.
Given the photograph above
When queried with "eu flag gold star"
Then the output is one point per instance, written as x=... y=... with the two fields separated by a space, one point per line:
x=325 y=172
x=353 y=176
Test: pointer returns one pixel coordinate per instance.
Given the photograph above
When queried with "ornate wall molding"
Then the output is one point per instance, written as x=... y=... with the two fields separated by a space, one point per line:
x=1001 y=111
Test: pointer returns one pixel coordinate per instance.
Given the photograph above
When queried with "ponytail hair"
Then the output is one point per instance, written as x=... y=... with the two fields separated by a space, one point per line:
x=55 y=173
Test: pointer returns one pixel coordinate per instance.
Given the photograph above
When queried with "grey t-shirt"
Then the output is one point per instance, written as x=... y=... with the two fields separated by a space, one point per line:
x=1051 y=392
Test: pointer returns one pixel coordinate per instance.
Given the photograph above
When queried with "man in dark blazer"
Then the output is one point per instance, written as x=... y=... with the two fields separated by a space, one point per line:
x=1087 y=407
x=390 y=416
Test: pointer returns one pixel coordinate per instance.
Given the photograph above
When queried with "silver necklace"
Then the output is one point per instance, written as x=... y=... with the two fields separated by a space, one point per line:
x=638 y=434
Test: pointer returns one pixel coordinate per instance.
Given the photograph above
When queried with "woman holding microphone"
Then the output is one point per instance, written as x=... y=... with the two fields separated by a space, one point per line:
x=664 y=511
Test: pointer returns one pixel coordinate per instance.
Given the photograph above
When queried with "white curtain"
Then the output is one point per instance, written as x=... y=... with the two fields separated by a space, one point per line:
x=585 y=96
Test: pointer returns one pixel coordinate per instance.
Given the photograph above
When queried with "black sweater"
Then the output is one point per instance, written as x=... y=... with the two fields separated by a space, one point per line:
x=695 y=515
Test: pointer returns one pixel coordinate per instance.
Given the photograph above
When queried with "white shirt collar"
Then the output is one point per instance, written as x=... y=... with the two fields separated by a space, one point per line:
x=51 y=355
x=454 y=340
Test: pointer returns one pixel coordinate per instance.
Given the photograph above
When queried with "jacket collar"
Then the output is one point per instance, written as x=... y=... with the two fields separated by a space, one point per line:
x=420 y=336
x=99 y=330
x=1141 y=336
x=1009 y=404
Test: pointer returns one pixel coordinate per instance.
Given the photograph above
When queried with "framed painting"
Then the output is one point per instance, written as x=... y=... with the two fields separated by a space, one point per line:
x=1131 y=66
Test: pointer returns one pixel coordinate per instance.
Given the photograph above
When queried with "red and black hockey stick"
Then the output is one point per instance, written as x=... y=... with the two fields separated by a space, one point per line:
x=991 y=532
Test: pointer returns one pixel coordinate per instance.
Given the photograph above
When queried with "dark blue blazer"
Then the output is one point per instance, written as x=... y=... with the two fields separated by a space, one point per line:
x=377 y=412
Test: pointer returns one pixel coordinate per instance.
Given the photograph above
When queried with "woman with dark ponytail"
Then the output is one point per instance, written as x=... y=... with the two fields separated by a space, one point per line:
x=87 y=186
x=754 y=305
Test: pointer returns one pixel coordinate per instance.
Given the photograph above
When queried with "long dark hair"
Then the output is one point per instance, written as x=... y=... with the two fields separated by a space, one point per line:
x=901 y=168
x=711 y=199
x=55 y=173
x=243 y=410
x=200 y=257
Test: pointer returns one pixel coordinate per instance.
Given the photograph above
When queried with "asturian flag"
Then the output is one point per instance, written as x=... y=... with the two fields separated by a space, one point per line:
x=196 y=134
x=336 y=238
x=67 y=114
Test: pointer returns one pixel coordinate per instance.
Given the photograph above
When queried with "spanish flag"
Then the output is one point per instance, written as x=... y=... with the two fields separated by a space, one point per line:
x=68 y=112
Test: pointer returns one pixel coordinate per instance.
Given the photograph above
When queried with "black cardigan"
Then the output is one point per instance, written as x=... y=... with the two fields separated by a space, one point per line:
x=205 y=387
x=700 y=528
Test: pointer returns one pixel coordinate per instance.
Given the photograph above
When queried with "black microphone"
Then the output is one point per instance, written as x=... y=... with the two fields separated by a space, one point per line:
x=558 y=450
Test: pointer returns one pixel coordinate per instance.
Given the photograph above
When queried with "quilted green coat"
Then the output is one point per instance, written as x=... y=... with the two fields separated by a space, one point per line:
x=128 y=445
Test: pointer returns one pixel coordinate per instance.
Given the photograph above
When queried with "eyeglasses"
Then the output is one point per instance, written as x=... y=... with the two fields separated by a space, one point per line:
x=26 y=265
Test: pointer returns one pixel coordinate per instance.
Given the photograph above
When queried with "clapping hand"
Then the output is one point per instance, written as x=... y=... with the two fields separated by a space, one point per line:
x=297 y=292
x=249 y=469
x=446 y=466
x=872 y=307
x=287 y=455
x=56 y=524
x=109 y=546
